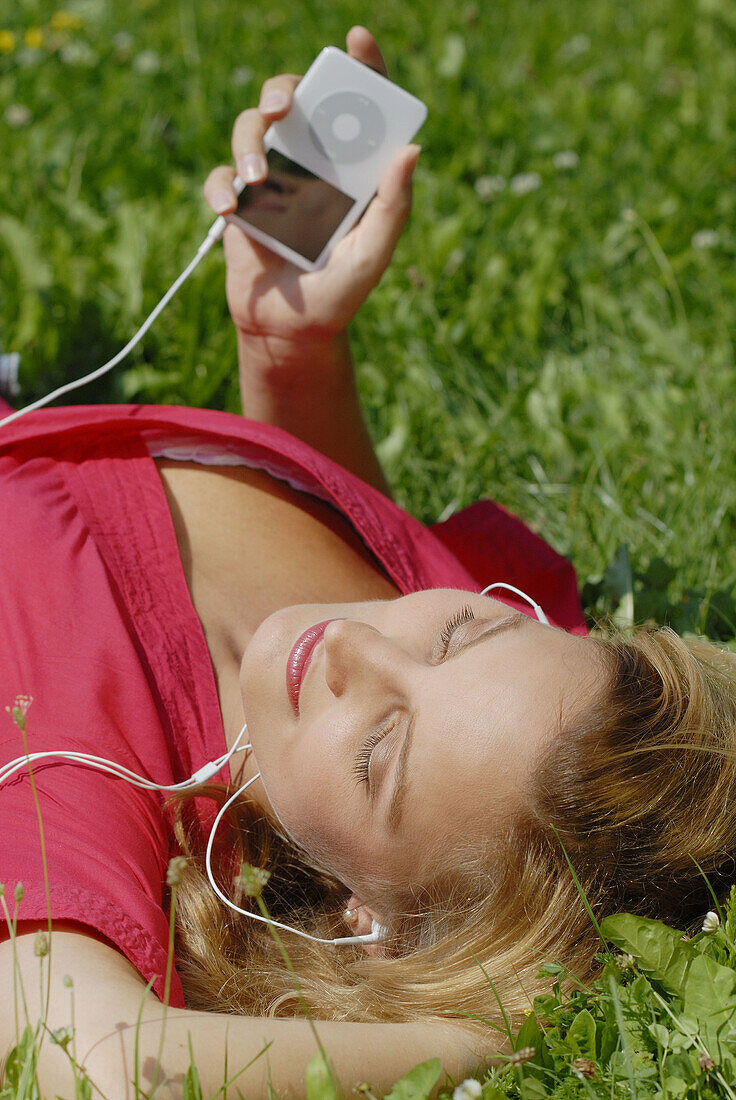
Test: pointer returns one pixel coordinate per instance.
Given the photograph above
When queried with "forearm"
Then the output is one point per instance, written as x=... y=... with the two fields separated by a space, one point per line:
x=272 y=1050
x=116 y=1049
x=309 y=390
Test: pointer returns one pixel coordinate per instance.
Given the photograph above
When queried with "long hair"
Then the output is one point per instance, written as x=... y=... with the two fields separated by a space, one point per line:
x=639 y=792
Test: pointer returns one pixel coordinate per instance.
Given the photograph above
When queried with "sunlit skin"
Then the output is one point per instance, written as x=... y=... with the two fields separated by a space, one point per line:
x=478 y=717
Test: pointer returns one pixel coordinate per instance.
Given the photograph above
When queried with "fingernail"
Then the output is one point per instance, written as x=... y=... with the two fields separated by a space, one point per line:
x=273 y=101
x=252 y=167
x=222 y=201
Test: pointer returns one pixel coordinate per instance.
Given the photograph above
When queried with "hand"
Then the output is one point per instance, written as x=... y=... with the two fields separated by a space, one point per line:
x=267 y=295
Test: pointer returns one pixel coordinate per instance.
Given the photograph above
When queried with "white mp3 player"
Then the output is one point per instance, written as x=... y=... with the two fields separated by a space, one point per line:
x=326 y=157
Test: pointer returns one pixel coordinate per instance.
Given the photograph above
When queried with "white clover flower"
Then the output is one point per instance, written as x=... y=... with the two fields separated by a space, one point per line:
x=525 y=182
x=147 y=62
x=705 y=238
x=17 y=115
x=488 y=186
x=470 y=1089
x=566 y=160
x=711 y=922
x=241 y=76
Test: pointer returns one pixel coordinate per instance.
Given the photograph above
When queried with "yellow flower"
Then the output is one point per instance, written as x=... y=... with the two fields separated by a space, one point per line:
x=66 y=21
x=34 y=38
x=7 y=42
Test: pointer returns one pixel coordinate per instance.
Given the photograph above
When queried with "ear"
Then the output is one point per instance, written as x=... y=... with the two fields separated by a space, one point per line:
x=361 y=921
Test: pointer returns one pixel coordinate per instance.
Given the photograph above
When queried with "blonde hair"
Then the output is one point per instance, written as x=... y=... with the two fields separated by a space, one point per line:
x=636 y=791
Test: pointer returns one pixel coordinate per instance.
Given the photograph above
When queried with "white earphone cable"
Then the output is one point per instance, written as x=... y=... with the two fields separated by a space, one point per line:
x=215 y=232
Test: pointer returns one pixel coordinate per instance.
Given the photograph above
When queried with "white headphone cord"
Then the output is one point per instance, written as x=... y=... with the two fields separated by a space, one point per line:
x=376 y=935
x=215 y=232
x=201 y=776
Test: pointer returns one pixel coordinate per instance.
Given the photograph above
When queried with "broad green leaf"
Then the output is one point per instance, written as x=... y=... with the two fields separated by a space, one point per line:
x=529 y=1034
x=581 y=1035
x=532 y=1089
x=660 y=1034
x=318 y=1080
x=660 y=951
x=710 y=990
x=675 y=1086
x=418 y=1082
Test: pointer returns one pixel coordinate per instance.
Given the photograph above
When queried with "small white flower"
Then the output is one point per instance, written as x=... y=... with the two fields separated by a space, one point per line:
x=469 y=1089
x=566 y=160
x=241 y=76
x=628 y=215
x=525 y=182
x=147 y=62
x=488 y=186
x=253 y=879
x=711 y=922
x=17 y=115
x=175 y=870
x=705 y=238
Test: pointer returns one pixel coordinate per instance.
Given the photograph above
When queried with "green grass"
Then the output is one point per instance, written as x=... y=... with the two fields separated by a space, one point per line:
x=567 y=351
x=565 y=347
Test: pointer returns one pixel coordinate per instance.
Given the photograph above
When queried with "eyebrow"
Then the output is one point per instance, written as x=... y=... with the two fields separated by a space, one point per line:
x=513 y=622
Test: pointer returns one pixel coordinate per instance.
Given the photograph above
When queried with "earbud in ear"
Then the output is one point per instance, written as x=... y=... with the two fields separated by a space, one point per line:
x=379 y=932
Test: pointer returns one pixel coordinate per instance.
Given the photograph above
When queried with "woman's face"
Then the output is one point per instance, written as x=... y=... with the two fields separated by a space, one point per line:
x=418 y=723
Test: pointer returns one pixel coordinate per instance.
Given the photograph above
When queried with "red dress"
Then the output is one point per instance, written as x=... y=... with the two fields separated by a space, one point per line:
x=97 y=624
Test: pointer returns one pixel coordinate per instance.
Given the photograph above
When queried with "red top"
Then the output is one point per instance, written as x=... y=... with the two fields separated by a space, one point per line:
x=97 y=624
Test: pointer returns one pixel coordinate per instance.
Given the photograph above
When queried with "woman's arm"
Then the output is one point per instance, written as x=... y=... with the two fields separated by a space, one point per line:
x=109 y=997
x=309 y=390
x=296 y=371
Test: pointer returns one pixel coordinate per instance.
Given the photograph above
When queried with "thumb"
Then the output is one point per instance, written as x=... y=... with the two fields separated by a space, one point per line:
x=382 y=223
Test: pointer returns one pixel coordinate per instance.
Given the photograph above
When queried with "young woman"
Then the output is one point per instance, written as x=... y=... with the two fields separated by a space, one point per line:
x=423 y=751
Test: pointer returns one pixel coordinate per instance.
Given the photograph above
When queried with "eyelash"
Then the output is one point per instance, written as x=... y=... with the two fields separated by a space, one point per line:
x=462 y=616
x=363 y=759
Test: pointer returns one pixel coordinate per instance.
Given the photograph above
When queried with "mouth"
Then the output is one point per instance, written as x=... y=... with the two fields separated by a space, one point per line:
x=299 y=660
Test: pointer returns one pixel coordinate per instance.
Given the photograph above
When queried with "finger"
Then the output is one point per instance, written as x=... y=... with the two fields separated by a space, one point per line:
x=276 y=95
x=251 y=125
x=383 y=222
x=218 y=190
x=364 y=48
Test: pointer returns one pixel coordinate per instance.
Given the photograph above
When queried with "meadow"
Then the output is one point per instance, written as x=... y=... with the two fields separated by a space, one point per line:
x=556 y=329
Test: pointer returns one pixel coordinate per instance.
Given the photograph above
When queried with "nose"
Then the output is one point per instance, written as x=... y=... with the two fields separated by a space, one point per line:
x=357 y=654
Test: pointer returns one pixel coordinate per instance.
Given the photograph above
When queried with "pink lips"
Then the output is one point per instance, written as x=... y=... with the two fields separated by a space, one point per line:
x=299 y=659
